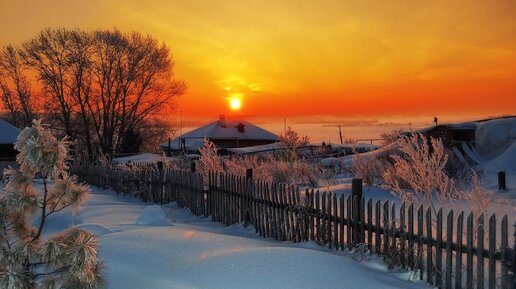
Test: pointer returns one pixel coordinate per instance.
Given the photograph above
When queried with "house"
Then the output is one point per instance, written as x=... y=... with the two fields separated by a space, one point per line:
x=8 y=136
x=224 y=134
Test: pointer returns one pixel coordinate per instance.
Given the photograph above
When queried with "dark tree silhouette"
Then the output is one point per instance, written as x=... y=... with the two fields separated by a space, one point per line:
x=99 y=86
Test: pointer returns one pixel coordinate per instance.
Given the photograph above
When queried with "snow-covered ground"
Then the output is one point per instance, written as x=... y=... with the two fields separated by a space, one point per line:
x=171 y=248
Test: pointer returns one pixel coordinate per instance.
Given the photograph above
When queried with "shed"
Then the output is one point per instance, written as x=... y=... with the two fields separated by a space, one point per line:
x=8 y=136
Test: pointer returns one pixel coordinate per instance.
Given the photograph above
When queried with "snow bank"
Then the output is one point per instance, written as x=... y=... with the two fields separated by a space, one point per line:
x=97 y=229
x=330 y=162
x=504 y=162
x=152 y=216
x=143 y=158
x=493 y=137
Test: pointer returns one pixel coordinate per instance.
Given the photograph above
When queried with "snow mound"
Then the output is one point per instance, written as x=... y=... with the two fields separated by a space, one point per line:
x=495 y=136
x=152 y=216
x=97 y=229
x=330 y=162
x=504 y=162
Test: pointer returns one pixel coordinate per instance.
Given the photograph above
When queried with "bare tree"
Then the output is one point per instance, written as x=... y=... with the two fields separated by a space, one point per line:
x=15 y=89
x=99 y=86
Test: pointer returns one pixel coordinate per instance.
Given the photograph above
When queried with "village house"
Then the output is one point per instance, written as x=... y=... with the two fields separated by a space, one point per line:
x=225 y=134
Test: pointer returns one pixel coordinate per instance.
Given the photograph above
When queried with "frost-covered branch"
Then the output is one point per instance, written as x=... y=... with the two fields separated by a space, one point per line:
x=65 y=260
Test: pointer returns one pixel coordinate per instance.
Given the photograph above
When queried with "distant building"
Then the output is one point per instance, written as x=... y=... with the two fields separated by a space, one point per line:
x=224 y=134
x=476 y=142
x=8 y=136
x=452 y=134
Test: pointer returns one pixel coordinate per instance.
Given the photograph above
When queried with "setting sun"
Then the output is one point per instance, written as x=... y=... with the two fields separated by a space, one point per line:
x=235 y=103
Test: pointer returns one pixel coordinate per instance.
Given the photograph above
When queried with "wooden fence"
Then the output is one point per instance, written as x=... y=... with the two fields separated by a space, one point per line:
x=447 y=249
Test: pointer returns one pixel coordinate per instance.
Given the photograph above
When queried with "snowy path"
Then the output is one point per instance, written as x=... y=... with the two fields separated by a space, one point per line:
x=192 y=252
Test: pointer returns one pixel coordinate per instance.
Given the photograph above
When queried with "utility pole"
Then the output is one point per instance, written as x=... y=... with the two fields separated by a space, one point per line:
x=285 y=125
x=340 y=134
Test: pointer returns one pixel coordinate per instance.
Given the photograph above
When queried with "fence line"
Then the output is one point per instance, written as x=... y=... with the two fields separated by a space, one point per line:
x=449 y=255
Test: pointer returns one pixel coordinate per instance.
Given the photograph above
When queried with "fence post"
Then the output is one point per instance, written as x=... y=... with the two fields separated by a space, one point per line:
x=514 y=259
x=502 y=186
x=192 y=167
x=356 y=194
x=162 y=181
x=248 y=193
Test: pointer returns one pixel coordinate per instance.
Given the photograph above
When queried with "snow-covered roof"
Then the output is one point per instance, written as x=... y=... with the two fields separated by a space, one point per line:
x=8 y=132
x=221 y=130
x=257 y=149
x=363 y=146
x=463 y=125
x=139 y=158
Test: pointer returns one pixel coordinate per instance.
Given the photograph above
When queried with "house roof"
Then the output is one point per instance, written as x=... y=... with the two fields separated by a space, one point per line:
x=8 y=132
x=221 y=130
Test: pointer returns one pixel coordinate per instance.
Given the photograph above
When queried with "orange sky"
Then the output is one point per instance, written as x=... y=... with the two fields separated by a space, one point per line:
x=299 y=58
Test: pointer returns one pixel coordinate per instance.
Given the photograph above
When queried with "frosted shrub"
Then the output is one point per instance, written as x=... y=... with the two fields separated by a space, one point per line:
x=65 y=260
x=418 y=174
x=280 y=172
x=209 y=160
x=368 y=167
x=304 y=174
x=261 y=166
x=265 y=168
x=478 y=197
x=291 y=141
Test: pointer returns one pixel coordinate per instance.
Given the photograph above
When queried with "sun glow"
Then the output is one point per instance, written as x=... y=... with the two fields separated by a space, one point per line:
x=235 y=103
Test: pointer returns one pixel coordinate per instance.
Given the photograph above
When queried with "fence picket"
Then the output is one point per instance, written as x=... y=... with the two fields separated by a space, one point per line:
x=504 y=282
x=469 y=250
x=449 y=256
x=429 y=263
x=458 y=256
x=492 y=248
x=480 y=251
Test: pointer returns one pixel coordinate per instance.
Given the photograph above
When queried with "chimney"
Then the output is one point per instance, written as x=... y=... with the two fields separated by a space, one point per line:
x=241 y=127
x=222 y=120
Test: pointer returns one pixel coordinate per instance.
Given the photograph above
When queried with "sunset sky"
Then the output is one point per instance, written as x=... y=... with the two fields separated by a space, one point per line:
x=334 y=58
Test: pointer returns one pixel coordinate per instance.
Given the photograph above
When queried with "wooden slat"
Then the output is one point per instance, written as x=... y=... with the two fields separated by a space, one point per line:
x=274 y=200
x=403 y=236
x=492 y=249
x=341 y=221
x=386 y=228
x=378 y=225
x=420 y=229
x=335 y=223
x=362 y=220
x=312 y=215
x=439 y=251
x=370 y=224
x=449 y=255
x=429 y=255
x=269 y=228
x=393 y=229
x=458 y=256
x=307 y=215
x=349 y=227
x=410 y=236
x=317 y=217
x=327 y=229
x=469 y=250
x=480 y=257
x=504 y=242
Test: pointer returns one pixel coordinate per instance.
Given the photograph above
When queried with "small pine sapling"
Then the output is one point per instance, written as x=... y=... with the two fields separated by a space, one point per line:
x=65 y=260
